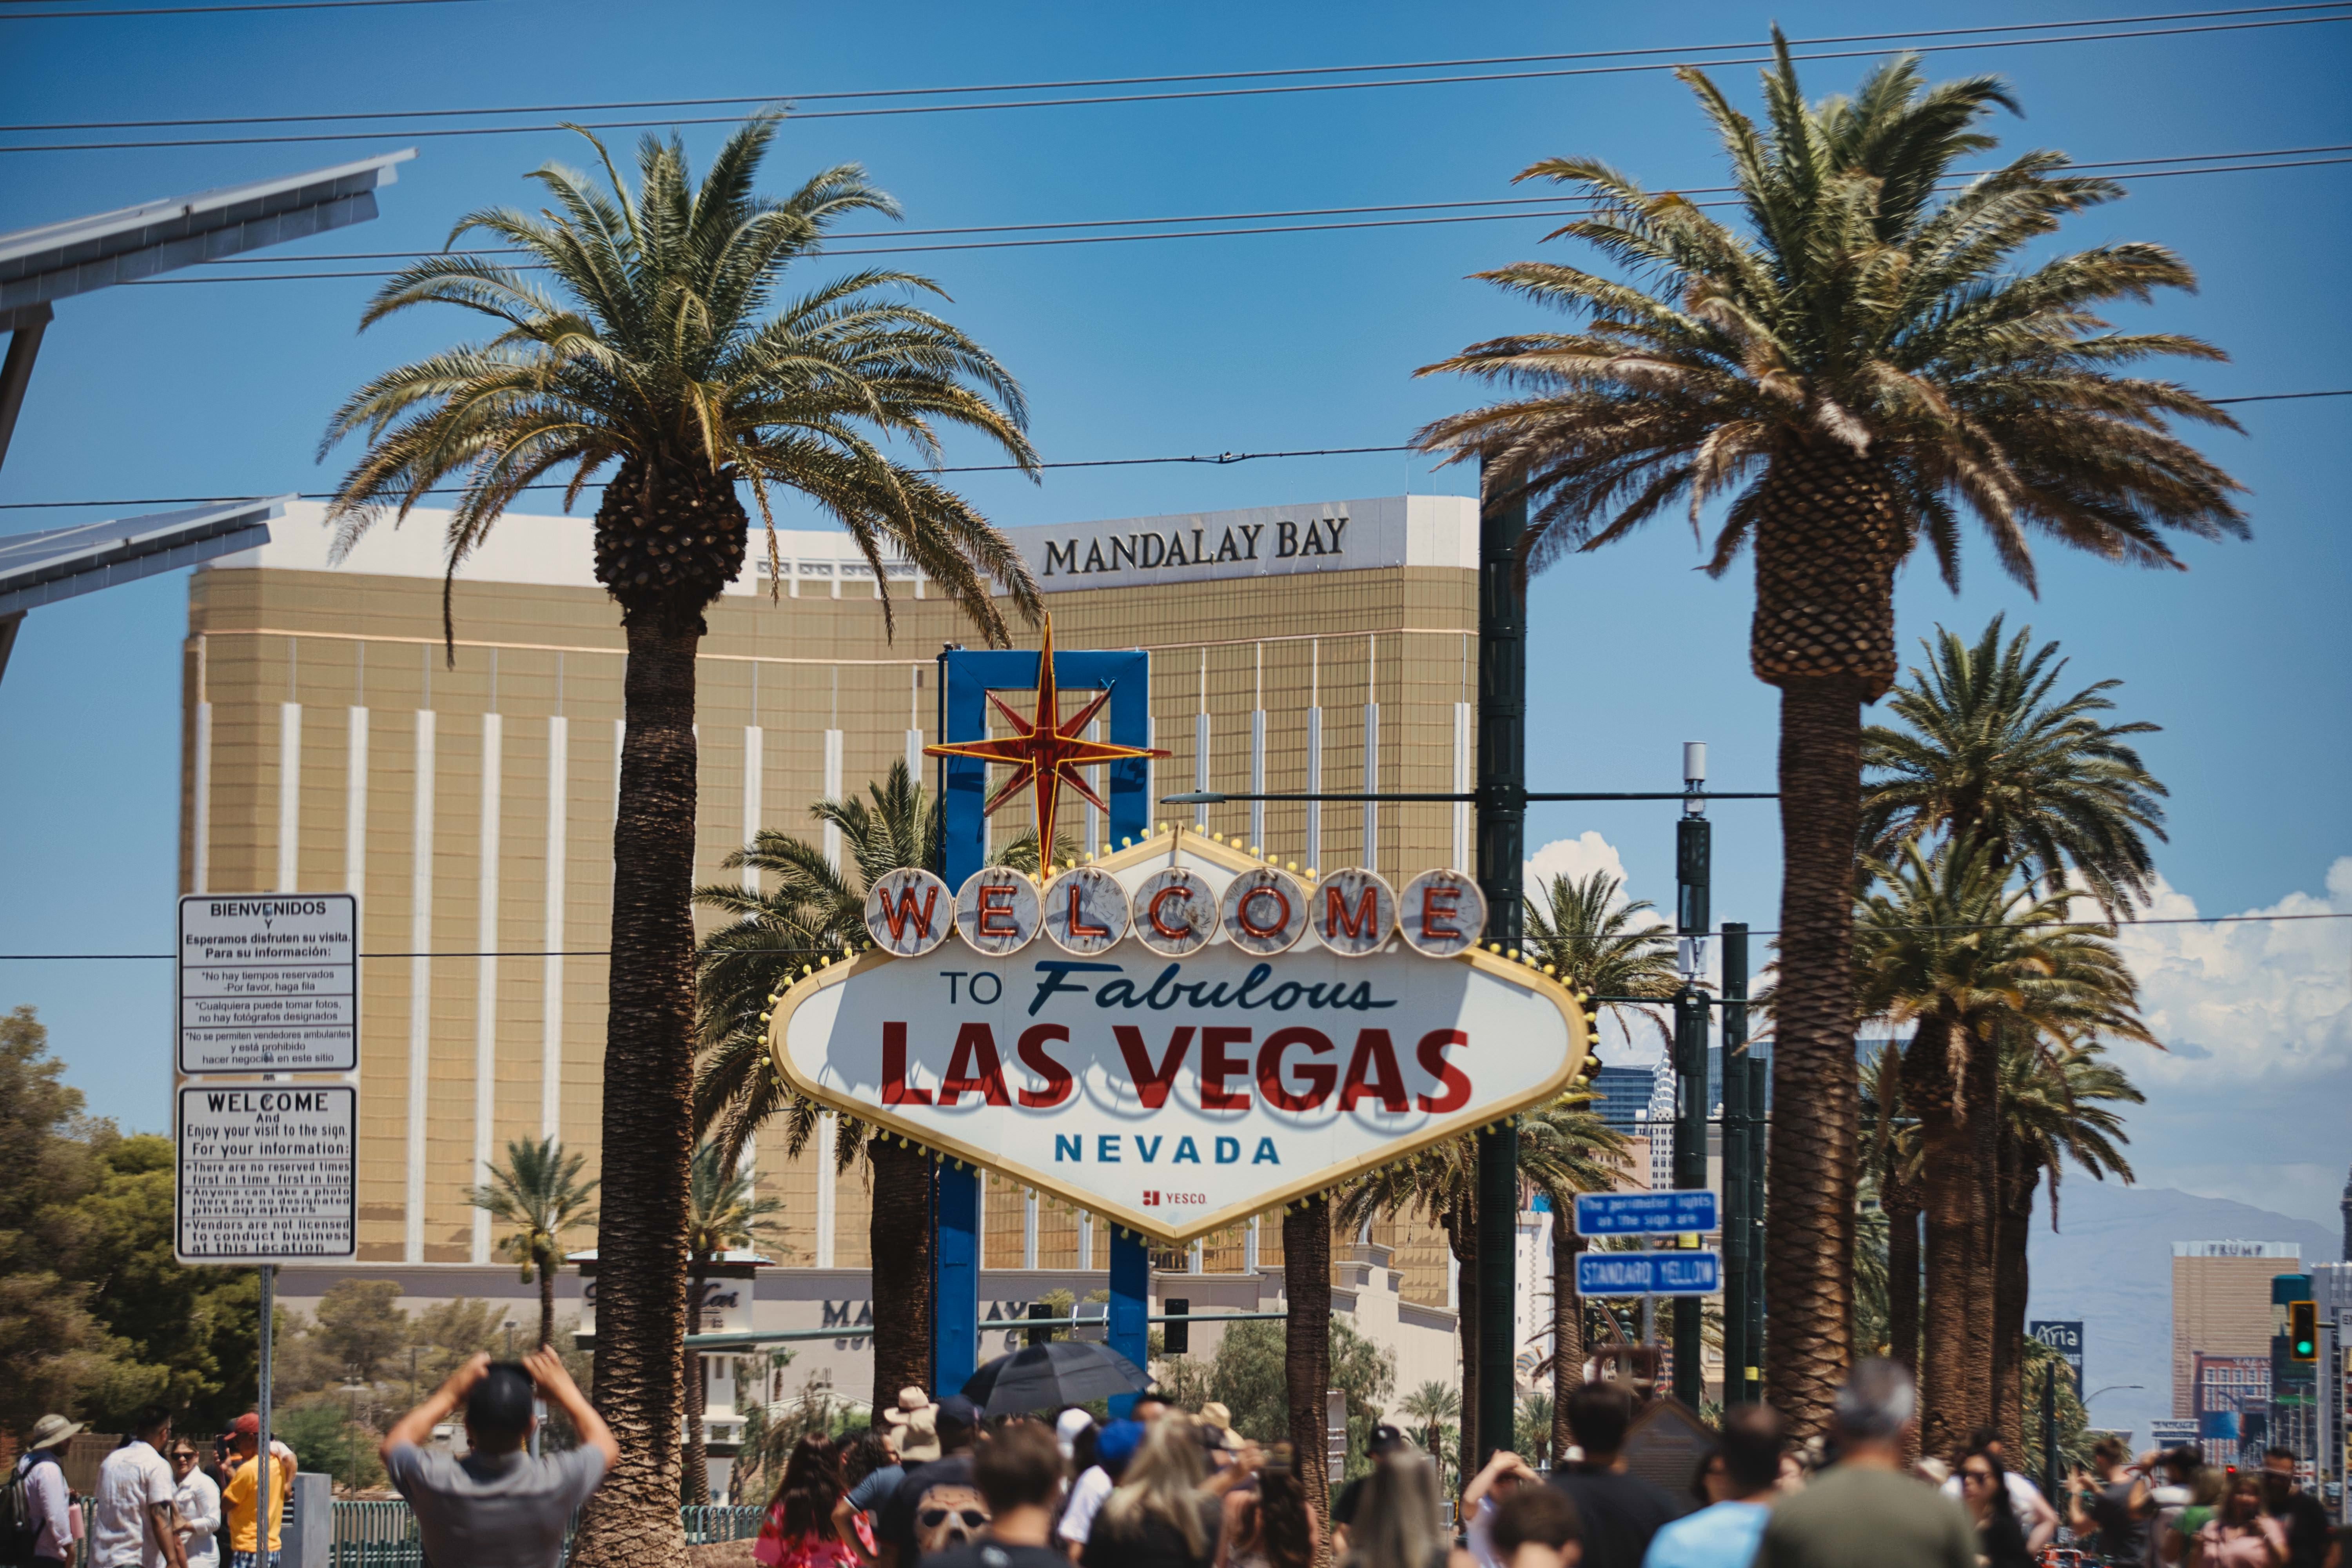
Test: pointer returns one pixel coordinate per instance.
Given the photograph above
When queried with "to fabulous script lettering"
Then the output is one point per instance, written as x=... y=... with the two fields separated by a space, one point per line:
x=1191 y=547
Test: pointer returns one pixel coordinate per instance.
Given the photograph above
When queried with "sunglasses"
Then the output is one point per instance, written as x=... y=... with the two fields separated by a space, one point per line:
x=932 y=1518
x=1982 y=1477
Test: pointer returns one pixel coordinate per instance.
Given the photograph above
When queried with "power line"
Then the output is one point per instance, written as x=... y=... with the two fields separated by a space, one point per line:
x=1057 y=240
x=412 y=133
x=15 y=16
x=1213 y=459
x=1550 y=206
x=2102 y=926
x=1149 y=80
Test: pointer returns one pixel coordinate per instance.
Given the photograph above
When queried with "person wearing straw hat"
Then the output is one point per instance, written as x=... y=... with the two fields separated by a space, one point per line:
x=42 y=1522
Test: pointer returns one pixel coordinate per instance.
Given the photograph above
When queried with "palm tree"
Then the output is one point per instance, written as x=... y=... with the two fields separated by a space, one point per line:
x=1306 y=1344
x=537 y=1192
x=1863 y=360
x=2056 y=1105
x=1436 y=1409
x=805 y=909
x=722 y=1213
x=1583 y=931
x=1564 y=1148
x=1986 y=752
x=1949 y=945
x=1989 y=753
x=1891 y=1171
x=665 y=348
x=1567 y=1149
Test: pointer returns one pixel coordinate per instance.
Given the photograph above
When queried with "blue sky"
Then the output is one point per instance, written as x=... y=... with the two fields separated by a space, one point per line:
x=1247 y=343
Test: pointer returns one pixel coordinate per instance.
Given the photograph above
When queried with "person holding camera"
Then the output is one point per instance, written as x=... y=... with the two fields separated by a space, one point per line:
x=497 y=1506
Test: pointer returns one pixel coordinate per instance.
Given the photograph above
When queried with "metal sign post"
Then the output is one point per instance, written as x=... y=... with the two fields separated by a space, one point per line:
x=265 y=1111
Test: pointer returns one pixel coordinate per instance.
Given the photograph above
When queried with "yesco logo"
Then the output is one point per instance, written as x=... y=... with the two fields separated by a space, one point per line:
x=1151 y=551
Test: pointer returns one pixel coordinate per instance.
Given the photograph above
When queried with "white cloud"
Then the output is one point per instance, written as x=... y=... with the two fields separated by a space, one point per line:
x=2252 y=999
x=1575 y=859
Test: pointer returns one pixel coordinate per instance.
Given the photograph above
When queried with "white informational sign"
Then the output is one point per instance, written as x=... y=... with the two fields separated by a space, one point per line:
x=266 y=1172
x=1176 y=1096
x=268 y=983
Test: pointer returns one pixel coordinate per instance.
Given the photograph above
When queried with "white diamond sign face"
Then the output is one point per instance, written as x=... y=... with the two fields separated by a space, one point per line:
x=1178 y=1094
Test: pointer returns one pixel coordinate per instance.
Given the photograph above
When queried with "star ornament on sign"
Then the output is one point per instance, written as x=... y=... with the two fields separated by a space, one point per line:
x=1046 y=751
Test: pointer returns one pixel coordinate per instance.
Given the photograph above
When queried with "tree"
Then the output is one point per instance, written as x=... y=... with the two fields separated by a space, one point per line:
x=659 y=351
x=1584 y=931
x=1891 y=1173
x=1564 y=1148
x=1862 y=361
x=1950 y=944
x=722 y=1213
x=803 y=910
x=1436 y=1412
x=360 y=1324
x=1985 y=753
x=1988 y=752
x=2056 y=1105
x=1306 y=1335
x=539 y=1193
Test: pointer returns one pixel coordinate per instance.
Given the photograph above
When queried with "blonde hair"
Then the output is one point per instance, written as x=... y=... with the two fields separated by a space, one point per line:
x=1397 y=1525
x=1163 y=1482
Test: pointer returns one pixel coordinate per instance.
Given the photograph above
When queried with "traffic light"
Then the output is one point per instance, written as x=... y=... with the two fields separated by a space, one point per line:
x=2302 y=1331
x=1176 y=1335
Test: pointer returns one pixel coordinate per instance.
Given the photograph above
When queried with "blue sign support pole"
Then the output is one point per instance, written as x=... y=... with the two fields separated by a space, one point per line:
x=966 y=676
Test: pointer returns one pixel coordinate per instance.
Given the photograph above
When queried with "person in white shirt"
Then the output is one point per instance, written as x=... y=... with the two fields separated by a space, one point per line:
x=197 y=1504
x=134 y=1527
x=2033 y=1510
x=45 y=1485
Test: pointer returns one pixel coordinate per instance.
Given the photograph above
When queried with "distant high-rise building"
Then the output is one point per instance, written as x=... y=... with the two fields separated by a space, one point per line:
x=2347 y=1206
x=2221 y=1305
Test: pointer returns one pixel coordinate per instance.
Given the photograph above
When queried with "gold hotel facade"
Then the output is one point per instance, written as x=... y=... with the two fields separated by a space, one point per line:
x=330 y=745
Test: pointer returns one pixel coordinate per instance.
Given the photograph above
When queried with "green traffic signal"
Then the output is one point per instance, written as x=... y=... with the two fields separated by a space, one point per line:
x=2302 y=1331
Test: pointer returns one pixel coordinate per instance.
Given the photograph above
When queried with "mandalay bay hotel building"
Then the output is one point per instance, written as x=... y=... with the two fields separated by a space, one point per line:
x=329 y=746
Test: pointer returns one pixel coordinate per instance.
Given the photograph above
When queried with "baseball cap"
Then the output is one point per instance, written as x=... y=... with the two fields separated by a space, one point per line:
x=1117 y=1444
x=246 y=1425
x=1072 y=1422
x=955 y=1410
x=1386 y=1440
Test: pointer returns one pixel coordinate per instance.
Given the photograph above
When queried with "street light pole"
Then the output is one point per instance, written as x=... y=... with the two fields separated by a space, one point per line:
x=1692 y=916
x=1738 y=1354
x=1502 y=853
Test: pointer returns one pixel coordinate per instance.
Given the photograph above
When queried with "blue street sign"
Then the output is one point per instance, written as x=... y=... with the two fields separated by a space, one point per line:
x=1644 y=1214
x=1677 y=1273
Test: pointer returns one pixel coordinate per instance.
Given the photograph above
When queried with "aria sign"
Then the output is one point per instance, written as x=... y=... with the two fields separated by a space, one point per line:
x=1179 y=1036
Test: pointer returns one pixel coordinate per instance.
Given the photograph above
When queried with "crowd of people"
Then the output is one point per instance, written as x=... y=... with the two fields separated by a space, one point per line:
x=941 y=1484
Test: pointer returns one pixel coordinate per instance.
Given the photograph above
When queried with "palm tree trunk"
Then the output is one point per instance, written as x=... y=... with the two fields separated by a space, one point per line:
x=546 y=1303
x=1306 y=1352
x=1902 y=1199
x=900 y=1235
x=1949 y=1184
x=1567 y=1324
x=695 y=1476
x=1461 y=1230
x=1809 y=1225
x=1983 y=1185
x=2012 y=1288
x=648 y=1134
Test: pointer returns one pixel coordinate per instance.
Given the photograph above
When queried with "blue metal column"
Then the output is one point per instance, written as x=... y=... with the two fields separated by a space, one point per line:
x=1130 y=1304
x=955 y=1281
x=966 y=676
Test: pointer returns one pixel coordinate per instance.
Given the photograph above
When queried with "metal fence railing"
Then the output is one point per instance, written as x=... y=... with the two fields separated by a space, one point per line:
x=382 y=1533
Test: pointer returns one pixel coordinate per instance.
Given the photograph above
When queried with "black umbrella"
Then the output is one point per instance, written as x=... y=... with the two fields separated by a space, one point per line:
x=1051 y=1376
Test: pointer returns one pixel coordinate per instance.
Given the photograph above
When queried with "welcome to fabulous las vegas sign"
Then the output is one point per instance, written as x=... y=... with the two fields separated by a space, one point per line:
x=1177 y=1036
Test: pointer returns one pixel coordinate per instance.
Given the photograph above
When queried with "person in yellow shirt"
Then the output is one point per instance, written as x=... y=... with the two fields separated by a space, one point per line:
x=238 y=1499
